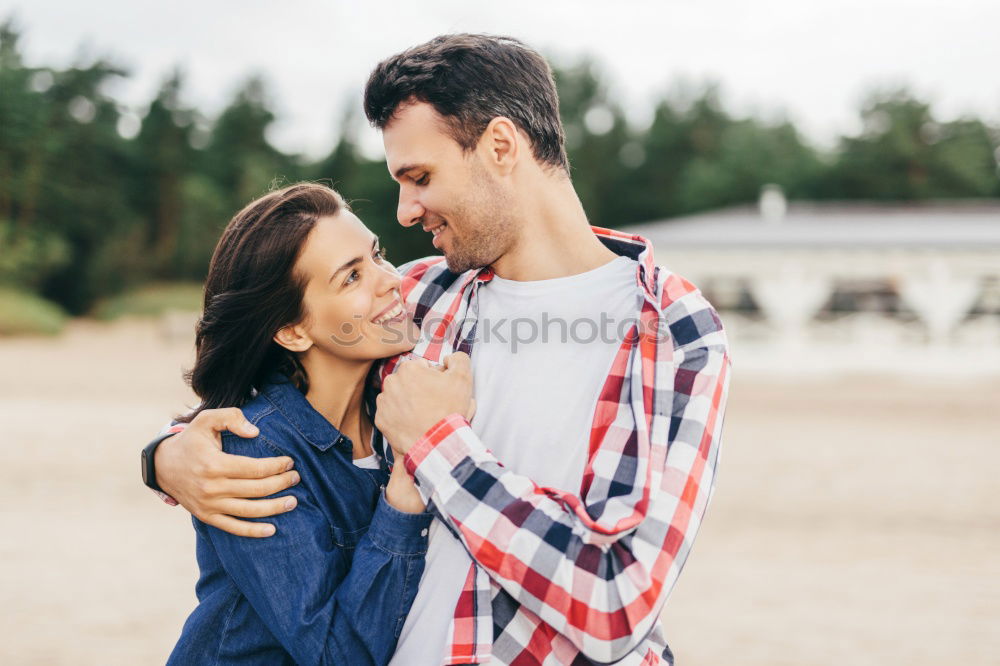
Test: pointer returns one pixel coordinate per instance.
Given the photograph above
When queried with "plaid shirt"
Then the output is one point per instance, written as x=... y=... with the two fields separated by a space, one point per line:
x=562 y=578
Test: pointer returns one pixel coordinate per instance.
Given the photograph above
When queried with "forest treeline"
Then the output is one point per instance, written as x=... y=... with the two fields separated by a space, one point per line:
x=95 y=199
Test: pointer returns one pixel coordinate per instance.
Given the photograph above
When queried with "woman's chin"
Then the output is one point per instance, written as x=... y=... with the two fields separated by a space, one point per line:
x=397 y=337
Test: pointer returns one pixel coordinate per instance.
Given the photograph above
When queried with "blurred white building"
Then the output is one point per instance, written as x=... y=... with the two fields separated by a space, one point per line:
x=847 y=286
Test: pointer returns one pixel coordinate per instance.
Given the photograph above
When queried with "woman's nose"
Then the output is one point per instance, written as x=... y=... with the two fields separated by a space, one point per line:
x=390 y=279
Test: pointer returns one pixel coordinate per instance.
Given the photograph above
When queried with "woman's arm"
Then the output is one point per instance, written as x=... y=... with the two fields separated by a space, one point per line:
x=323 y=603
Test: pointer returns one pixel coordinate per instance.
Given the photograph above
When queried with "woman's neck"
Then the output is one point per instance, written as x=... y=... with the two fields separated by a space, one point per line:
x=336 y=390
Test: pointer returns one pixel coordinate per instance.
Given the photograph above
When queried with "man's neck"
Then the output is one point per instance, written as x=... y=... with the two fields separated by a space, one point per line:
x=555 y=238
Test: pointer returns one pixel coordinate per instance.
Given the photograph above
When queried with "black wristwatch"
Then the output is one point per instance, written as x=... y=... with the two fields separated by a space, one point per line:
x=148 y=467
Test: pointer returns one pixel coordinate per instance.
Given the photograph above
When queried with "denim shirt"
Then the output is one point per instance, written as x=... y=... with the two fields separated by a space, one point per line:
x=334 y=583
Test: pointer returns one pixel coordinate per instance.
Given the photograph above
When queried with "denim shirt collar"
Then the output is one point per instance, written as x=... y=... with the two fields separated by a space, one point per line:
x=293 y=405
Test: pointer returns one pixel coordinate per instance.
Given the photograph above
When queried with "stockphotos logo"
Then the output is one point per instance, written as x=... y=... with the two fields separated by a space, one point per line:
x=515 y=332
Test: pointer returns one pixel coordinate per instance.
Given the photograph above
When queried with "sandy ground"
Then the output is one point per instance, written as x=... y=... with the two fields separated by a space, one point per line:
x=856 y=520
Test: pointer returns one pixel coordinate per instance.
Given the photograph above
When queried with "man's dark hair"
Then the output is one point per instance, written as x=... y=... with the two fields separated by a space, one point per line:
x=470 y=80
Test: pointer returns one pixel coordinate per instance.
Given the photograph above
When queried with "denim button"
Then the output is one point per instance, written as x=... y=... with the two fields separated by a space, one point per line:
x=423 y=532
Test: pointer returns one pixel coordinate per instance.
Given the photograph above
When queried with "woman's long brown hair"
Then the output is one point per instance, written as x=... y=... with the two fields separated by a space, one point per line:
x=252 y=292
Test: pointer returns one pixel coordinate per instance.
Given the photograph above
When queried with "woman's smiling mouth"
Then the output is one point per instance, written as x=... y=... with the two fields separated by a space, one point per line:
x=394 y=312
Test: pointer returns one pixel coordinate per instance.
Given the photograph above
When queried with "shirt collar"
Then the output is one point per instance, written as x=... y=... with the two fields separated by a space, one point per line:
x=632 y=246
x=293 y=405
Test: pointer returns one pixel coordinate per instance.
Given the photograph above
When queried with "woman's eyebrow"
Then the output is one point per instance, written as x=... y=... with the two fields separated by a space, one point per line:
x=351 y=263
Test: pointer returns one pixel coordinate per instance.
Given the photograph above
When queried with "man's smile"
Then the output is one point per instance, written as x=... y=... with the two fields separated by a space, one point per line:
x=436 y=231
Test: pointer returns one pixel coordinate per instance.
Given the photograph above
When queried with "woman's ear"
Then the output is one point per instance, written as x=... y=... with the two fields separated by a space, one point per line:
x=293 y=338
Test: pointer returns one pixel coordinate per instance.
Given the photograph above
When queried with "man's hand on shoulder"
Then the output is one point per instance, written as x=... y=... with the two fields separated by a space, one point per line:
x=192 y=468
x=418 y=395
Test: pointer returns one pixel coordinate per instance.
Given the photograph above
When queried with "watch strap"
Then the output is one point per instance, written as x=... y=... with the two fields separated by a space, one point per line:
x=148 y=461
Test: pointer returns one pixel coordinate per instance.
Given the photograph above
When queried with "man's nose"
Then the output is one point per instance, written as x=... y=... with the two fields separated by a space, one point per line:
x=409 y=211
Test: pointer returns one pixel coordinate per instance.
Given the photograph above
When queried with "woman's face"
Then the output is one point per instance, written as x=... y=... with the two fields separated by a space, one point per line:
x=353 y=308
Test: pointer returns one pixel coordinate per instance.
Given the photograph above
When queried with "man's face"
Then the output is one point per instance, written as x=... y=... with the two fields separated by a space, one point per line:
x=450 y=193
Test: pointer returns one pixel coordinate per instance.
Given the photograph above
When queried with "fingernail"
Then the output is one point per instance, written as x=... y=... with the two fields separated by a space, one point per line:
x=290 y=504
x=290 y=465
x=251 y=428
x=295 y=478
x=267 y=530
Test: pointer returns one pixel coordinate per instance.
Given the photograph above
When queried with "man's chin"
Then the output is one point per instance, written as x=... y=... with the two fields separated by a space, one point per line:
x=455 y=263
x=460 y=266
x=460 y=263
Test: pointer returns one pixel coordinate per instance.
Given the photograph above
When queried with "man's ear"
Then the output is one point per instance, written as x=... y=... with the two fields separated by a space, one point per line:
x=502 y=143
x=293 y=338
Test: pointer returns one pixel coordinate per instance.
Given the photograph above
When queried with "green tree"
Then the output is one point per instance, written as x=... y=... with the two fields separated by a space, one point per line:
x=164 y=158
x=966 y=159
x=239 y=157
x=85 y=211
x=596 y=133
x=29 y=252
x=903 y=152
x=63 y=164
x=372 y=194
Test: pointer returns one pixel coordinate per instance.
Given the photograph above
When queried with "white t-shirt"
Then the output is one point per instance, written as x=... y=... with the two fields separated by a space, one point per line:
x=368 y=462
x=539 y=362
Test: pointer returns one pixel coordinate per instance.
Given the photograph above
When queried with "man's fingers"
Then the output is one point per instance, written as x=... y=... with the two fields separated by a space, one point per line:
x=242 y=488
x=459 y=361
x=243 y=528
x=245 y=467
x=261 y=508
x=229 y=418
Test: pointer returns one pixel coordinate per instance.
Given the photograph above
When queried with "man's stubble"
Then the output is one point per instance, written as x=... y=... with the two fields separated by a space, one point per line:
x=487 y=223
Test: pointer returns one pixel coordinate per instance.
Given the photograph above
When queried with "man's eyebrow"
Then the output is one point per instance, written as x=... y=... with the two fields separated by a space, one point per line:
x=401 y=171
x=353 y=262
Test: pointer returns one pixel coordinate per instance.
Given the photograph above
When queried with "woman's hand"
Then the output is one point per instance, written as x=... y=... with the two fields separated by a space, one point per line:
x=401 y=492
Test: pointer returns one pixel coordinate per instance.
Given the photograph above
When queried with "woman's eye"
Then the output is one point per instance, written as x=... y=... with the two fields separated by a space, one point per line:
x=380 y=254
x=422 y=180
x=352 y=277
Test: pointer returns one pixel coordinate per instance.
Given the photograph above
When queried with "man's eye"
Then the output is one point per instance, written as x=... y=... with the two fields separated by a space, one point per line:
x=422 y=180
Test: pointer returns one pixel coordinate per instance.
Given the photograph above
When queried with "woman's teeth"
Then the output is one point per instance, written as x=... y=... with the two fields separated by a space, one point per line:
x=391 y=314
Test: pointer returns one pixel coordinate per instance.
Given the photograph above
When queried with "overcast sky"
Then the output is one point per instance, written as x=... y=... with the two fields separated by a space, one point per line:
x=812 y=59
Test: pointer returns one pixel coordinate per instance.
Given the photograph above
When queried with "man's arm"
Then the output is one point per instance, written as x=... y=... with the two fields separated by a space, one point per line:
x=597 y=576
x=192 y=468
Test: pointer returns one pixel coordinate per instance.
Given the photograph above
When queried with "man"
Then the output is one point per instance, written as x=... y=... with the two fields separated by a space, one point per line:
x=569 y=503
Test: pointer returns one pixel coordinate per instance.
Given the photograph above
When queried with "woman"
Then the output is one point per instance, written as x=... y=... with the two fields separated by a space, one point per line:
x=299 y=304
